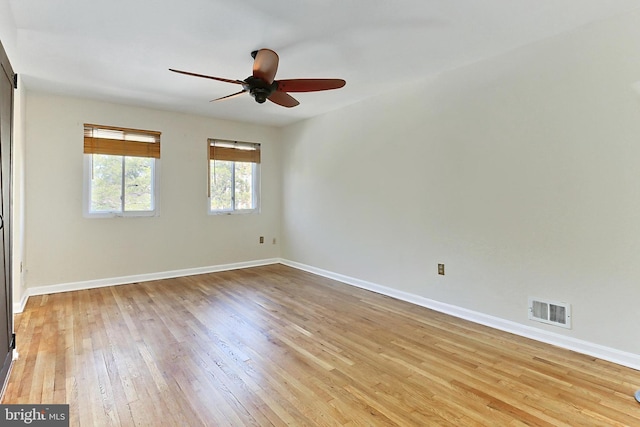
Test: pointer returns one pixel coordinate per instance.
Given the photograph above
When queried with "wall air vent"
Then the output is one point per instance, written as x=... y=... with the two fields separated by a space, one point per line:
x=550 y=312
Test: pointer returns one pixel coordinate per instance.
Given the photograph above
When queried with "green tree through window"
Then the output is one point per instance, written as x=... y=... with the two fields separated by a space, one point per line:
x=221 y=185
x=121 y=184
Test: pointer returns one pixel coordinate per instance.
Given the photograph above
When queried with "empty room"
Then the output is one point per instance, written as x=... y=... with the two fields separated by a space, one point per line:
x=297 y=213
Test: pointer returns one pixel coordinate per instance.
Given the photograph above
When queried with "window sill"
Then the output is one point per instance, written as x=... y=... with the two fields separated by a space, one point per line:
x=239 y=212
x=120 y=215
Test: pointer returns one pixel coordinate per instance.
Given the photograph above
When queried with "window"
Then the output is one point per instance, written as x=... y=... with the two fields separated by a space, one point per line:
x=121 y=169
x=234 y=176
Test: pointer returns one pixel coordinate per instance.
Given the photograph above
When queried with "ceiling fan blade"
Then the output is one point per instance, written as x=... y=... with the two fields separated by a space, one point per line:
x=309 y=85
x=284 y=99
x=207 y=77
x=265 y=65
x=233 y=95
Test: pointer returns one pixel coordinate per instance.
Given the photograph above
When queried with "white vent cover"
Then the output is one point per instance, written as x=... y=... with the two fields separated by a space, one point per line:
x=550 y=312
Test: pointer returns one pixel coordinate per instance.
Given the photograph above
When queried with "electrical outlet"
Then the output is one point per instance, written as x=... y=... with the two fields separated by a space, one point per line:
x=441 y=269
x=261 y=239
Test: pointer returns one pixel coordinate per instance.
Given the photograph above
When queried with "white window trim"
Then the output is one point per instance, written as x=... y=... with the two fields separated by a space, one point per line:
x=86 y=194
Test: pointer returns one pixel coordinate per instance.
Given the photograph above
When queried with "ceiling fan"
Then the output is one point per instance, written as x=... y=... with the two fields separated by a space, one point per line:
x=262 y=84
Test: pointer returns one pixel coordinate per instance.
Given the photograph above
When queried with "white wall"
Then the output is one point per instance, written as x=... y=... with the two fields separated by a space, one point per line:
x=63 y=247
x=520 y=173
x=18 y=212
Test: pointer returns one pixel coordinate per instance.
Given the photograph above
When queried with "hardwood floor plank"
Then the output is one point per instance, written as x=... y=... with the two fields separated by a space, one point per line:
x=277 y=346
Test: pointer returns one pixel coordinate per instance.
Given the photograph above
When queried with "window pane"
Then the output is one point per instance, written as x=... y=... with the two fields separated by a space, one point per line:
x=220 y=181
x=138 y=184
x=244 y=185
x=106 y=183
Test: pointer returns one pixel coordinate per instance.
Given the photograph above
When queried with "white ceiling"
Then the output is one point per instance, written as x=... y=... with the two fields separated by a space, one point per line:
x=120 y=50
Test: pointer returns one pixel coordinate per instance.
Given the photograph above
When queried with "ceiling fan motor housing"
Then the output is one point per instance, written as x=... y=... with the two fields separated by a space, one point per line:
x=259 y=89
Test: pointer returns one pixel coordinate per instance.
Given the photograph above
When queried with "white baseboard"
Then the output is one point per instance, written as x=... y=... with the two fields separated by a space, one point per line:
x=123 y=280
x=18 y=307
x=619 y=357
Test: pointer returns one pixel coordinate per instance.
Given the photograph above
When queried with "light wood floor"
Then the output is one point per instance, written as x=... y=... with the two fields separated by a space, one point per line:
x=276 y=346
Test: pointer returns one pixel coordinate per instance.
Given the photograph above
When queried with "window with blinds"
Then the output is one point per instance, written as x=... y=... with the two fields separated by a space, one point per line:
x=234 y=176
x=121 y=171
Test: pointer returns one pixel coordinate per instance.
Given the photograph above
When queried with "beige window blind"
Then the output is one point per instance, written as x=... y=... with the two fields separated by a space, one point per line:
x=234 y=151
x=117 y=141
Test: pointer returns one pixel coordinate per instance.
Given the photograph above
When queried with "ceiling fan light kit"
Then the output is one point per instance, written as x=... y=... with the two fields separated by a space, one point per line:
x=261 y=85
